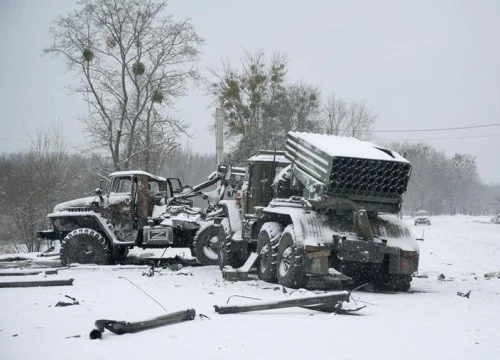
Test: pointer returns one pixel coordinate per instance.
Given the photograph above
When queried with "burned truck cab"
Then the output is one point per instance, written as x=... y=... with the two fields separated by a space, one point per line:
x=100 y=229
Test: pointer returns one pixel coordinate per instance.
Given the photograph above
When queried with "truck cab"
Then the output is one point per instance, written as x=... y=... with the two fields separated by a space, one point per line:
x=261 y=172
x=118 y=214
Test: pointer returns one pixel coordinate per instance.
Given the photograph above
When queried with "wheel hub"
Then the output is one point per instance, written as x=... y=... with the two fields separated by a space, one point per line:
x=286 y=261
x=84 y=252
x=264 y=257
x=212 y=248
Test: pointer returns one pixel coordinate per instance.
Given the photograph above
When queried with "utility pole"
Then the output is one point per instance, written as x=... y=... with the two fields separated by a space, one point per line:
x=219 y=138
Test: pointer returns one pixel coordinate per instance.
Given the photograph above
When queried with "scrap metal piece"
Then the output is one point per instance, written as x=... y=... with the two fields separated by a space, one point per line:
x=241 y=273
x=330 y=300
x=28 y=272
x=125 y=327
x=64 y=303
x=36 y=283
x=333 y=308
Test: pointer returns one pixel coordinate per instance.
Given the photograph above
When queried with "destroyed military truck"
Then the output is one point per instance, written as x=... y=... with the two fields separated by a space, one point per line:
x=327 y=205
x=141 y=210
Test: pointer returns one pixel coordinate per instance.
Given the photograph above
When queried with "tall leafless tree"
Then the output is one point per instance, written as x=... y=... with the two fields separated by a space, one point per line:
x=133 y=61
x=444 y=185
x=335 y=116
x=32 y=183
x=353 y=119
x=360 y=120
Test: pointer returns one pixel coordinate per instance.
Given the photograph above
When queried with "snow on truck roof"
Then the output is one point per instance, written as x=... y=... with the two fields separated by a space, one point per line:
x=136 y=172
x=342 y=146
x=269 y=156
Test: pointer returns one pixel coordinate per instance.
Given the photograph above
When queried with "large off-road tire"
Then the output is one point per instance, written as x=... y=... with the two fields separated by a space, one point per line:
x=390 y=282
x=267 y=248
x=290 y=263
x=85 y=246
x=206 y=245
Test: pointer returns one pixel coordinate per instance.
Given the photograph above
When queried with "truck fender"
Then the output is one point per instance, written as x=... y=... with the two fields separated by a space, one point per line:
x=232 y=211
x=105 y=229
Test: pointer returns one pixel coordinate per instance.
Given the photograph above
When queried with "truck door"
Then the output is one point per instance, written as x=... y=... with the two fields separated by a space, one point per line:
x=259 y=192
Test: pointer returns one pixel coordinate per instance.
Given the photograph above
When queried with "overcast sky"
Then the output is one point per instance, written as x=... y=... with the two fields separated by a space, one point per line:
x=418 y=64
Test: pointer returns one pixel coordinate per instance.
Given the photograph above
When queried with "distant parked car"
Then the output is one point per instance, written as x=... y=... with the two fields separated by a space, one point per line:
x=422 y=217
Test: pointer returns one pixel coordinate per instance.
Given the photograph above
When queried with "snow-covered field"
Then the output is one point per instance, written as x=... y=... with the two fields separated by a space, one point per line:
x=429 y=322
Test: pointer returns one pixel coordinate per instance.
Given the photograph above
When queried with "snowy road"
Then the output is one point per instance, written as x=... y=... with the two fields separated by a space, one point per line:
x=429 y=322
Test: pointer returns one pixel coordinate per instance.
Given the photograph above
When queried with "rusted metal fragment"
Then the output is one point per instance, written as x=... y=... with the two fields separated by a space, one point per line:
x=330 y=300
x=240 y=274
x=125 y=327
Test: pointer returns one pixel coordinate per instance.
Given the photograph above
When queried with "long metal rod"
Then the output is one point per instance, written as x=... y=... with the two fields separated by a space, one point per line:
x=36 y=283
x=152 y=298
x=330 y=298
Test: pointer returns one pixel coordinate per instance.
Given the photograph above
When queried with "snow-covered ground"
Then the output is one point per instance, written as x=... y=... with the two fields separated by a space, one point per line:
x=429 y=322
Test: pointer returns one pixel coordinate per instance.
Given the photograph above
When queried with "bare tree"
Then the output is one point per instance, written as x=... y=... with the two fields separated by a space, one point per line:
x=444 y=185
x=463 y=178
x=133 y=61
x=353 y=119
x=335 y=116
x=32 y=184
x=360 y=120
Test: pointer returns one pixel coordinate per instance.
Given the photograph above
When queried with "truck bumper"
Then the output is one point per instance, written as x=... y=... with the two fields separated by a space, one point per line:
x=317 y=259
x=403 y=262
x=49 y=235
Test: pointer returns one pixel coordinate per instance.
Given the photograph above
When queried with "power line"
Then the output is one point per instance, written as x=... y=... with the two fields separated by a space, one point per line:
x=439 y=129
x=29 y=140
x=1 y=138
x=446 y=138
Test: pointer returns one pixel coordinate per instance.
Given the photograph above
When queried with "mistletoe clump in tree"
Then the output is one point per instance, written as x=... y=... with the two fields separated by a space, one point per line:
x=133 y=61
x=260 y=105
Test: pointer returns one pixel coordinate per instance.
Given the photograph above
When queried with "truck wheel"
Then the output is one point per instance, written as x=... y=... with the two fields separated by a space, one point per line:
x=267 y=248
x=290 y=267
x=85 y=246
x=206 y=245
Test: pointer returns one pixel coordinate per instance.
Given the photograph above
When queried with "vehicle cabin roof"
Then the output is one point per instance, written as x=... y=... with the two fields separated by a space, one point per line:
x=136 y=172
x=270 y=156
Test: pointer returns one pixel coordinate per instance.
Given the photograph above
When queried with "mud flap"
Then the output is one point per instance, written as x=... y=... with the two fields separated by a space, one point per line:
x=240 y=274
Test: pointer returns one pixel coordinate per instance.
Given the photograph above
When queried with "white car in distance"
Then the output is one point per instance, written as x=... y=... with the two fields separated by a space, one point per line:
x=422 y=217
